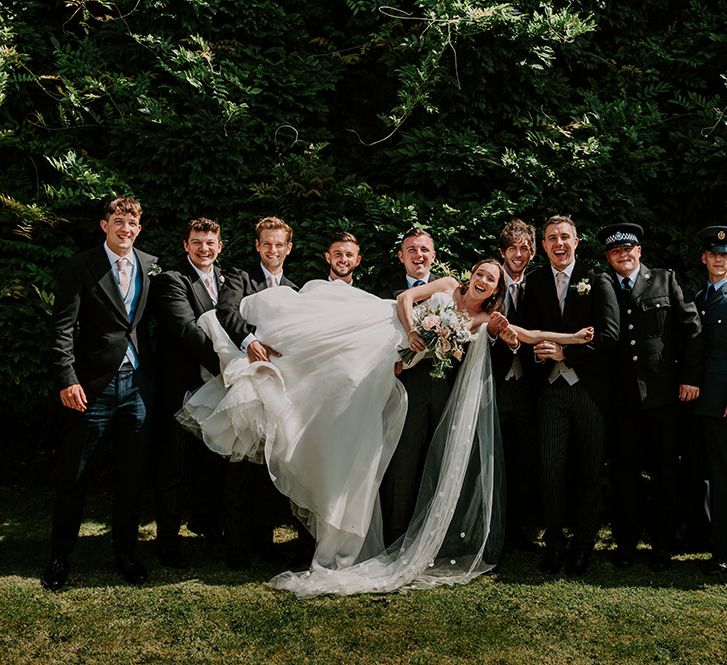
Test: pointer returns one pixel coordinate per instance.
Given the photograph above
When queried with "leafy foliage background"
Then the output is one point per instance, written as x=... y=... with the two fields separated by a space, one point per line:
x=451 y=114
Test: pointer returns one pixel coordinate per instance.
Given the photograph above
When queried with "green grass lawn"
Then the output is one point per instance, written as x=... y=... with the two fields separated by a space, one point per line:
x=210 y=615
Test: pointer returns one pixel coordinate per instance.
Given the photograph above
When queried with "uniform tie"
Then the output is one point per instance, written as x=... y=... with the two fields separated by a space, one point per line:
x=626 y=285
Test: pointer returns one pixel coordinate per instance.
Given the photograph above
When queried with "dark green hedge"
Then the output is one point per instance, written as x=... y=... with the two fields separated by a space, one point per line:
x=453 y=115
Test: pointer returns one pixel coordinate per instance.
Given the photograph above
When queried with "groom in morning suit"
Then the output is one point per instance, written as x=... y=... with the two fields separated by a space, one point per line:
x=253 y=504
x=515 y=394
x=427 y=397
x=564 y=296
x=100 y=354
x=186 y=358
x=711 y=407
x=658 y=362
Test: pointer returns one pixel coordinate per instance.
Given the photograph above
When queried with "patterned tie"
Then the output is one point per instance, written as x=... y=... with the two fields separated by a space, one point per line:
x=271 y=281
x=561 y=280
x=124 y=266
x=418 y=282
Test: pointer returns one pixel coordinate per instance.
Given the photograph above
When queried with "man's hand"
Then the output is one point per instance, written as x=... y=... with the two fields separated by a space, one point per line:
x=258 y=352
x=688 y=393
x=74 y=397
x=497 y=323
x=549 y=351
x=398 y=367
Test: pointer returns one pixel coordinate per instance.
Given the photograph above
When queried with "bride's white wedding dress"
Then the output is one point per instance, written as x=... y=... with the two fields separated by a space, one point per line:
x=326 y=417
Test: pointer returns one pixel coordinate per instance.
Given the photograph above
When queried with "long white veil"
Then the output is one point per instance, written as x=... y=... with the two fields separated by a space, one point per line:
x=457 y=530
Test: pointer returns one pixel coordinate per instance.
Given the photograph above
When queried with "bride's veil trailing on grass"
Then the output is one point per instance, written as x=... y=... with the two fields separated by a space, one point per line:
x=457 y=530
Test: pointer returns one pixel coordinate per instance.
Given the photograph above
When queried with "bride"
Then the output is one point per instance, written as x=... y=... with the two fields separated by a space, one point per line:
x=326 y=415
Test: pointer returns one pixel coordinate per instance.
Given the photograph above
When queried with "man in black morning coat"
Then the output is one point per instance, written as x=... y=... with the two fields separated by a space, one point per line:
x=178 y=298
x=658 y=361
x=252 y=502
x=711 y=407
x=101 y=356
x=564 y=296
x=426 y=395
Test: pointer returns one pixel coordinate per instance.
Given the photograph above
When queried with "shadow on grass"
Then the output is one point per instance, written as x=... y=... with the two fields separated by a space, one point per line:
x=25 y=524
x=25 y=531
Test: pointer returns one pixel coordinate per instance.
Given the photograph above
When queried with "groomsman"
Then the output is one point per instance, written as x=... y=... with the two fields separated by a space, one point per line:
x=658 y=362
x=711 y=407
x=100 y=355
x=515 y=395
x=427 y=398
x=343 y=256
x=179 y=297
x=253 y=504
x=564 y=296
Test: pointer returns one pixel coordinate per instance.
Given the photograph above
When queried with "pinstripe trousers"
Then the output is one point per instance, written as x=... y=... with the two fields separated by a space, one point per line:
x=572 y=439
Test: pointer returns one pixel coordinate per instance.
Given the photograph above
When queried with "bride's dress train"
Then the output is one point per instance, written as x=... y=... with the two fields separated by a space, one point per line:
x=326 y=417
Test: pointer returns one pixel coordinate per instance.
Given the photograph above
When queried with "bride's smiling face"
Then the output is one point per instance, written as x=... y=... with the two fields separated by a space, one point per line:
x=484 y=280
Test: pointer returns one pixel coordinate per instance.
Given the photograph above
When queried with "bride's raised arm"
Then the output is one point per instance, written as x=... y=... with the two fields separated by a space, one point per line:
x=583 y=336
x=405 y=306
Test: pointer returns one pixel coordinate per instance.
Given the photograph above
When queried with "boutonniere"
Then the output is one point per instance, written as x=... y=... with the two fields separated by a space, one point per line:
x=221 y=278
x=154 y=269
x=583 y=287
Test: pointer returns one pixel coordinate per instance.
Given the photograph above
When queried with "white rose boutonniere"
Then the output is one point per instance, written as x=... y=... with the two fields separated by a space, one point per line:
x=154 y=269
x=583 y=287
x=222 y=279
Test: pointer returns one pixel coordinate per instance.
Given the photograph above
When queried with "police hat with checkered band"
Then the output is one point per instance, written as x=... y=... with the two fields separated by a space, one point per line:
x=714 y=239
x=620 y=235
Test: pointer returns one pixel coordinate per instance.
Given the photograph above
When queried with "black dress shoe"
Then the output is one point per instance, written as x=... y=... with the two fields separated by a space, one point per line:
x=131 y=569
x=578 y=561
x=716 y=566
x=623 y=557
x=56 y=573
x=238 y=560
x=552 y=560
x=659 y=561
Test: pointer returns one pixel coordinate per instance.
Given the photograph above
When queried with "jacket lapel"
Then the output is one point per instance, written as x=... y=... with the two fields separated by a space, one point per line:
x=103 y=273
x=199 y=290
x=643 y=281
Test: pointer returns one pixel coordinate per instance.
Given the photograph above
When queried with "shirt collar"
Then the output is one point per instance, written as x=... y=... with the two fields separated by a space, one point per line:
x=202 y=275
x=718 y=285
x=278 y=278
x=509 y=281
x=114 y=257
x=568 y=270
x=410 y=280
x=632 y=277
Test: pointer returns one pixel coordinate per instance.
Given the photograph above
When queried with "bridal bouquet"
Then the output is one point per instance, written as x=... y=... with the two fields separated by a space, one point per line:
x=444 y=330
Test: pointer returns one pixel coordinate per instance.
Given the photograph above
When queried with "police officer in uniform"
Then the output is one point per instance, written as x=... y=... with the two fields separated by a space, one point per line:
x=711 y=407
x=658 y=361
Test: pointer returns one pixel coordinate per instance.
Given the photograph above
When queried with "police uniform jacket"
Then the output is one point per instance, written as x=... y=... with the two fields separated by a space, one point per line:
x=713 y=312
x=660 y=345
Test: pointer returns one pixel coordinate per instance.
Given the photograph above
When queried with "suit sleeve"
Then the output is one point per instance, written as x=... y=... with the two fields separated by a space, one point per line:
x=66 y=307
x=689 y=335
x=237 y=285
x=176 y=319
x=607 y=322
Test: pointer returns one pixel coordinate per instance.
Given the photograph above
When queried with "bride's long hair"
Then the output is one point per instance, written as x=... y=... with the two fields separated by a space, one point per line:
x=495 y=301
